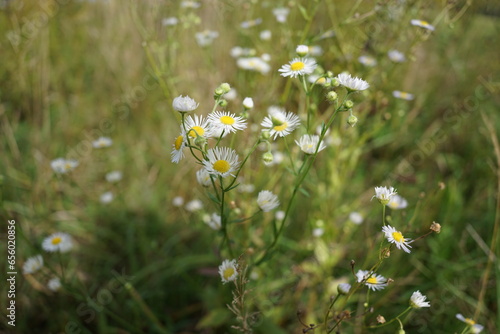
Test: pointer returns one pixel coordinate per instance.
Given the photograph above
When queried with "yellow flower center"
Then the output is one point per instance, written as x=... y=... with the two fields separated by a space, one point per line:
x=67 y=166
x=404 y=95
x=281 y=127
x=321 y=80
x=227 y=120
x=424 y=23
x=178 y=143
x=372 y=280
x=398 y=236
x=469 y=322
x=196 y=131
x=228 y=273
x=56 y=240
x=222 y=166
x=297 y=66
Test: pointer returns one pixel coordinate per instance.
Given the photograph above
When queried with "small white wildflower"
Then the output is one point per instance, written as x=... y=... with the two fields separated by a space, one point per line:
x=356 y=217
x=206 y=37
x=417 y=300
x=396 y=237
x=32 y=264
x=279 y=215
x=396 y=56
x=102 y=142
x=371 y=279
x=343 y=288
x=194 y=205
x=184 y=104
x=318 y=232
x=62 y=166
x=352 y=84
x=170 y=21
x=384 y=194
x=422 y=24
x=248 y=103
x=228 y=271
x=403 y=95
x=397 y=202
x=280 y=123
x=474 y=327
x=221 y=161
x=302 y=50
x=298 y=66
x=54 y=284
x=267 y=201
x=214 y=222
x=106 y=197
x=178 y=201
x=281 y=14
x=309 y=143
x=250 y=23
x=203 y=178
x=113 y=176
x=367 y=61
x=265 y=35
x=58 y=241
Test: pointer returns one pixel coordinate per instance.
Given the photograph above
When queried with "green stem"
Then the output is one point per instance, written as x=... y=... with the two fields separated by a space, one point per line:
x=328 y=311
x=391 y=321
x=383 y=214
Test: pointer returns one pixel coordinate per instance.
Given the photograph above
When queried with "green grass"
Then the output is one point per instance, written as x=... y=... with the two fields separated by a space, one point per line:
x=142 y=265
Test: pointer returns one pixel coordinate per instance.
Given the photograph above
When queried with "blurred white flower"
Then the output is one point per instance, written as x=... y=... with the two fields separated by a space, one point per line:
x=265 y=35
x=203 y=177
x=54 y=284
x=371 y=279
x=178 y=201
x=206 y=37
x=309 y=143
x=248 y=103
x=102 y=142
x=250 y=23
x=62 y=166
x=474 y=327
x=190 y=4
x=422 y=24
x=396 y=56
x=184 y=104
x=170 y=21
x=281 y=14
x=267 y=201
x=113 y=176
x=214 y=221
x=356 y=217
x=397 y=202
x=107 y=197
x=403 y=95
x=367 y=61
x=417 y=300
x=58 y=241
x=353 y=84
x=32 y=264
x=194 y=205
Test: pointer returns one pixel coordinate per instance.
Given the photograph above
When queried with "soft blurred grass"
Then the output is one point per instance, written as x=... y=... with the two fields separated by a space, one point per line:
x=68 y=80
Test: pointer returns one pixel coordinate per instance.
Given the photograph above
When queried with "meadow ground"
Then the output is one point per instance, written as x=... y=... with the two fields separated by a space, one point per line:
x=252 y=207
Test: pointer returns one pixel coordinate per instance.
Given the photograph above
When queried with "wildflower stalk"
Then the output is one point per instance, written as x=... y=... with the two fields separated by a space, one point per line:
x=392 y=320
x=223 y=218
x=383 y=214
x=329 y=309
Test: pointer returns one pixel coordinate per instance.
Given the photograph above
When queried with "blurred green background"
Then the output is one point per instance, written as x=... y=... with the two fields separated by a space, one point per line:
x=73 y=71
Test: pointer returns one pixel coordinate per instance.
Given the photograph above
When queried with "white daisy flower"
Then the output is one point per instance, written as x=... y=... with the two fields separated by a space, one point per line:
x=422 y=24
x=298 y=66
x=221 y=161
x=384 y=194
x=58 y=242
x=356 y=217
x=281 y=14
x=318 y=232
x=403 y=95
x=32 y=264
x=197 y=126
x=113 y=176
x=62 y=166
x=315 y=50
x=396 y=237
x=302 y=50
x=106 y=198
x=343 y=288
x=475 y=328
x=267 y=201
x=206 y=37
x=178 y=201
x=54 y=284
x=203 y=178
x=170 y=21
x=367 y=61
x=248 y=103
x=396 y=56
x=280 y=123
x=190 y=4
x=227 y=121
x=265 y=35
x=353 y=84
x=397 y=202
x=250 y=23
x=253 y=64
x=214 y=221
x=371 y=279
x=184 y=104
x=318 y=80
x=309 y=143
x=178 y=148
x=194 y=205
x=228 y=271
x=417 y=300
x=102 y=142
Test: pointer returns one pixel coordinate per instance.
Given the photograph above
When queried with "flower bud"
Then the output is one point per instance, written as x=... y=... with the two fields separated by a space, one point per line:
x=223 y=89
x=267 y=158
x=248 y=103
x=200 y=141
x=349 y=104
x=343 y=288
x=265 y=135
x=302 y=50
x=223 y=103
x=436 y=227
x=329 y=74
x=335 y=82
x=352 y=120
x=331 y=96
